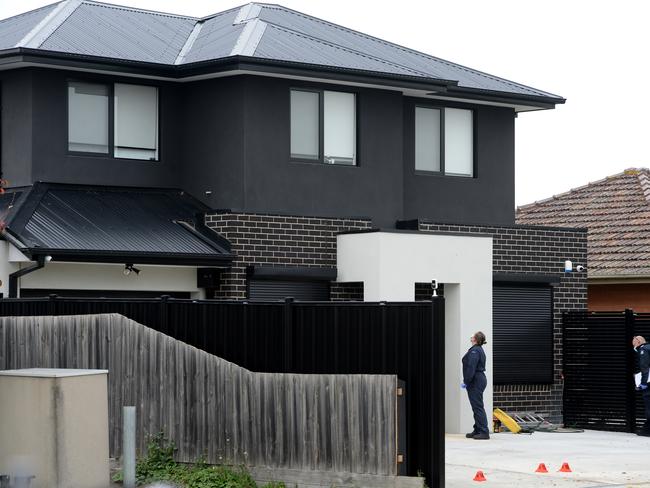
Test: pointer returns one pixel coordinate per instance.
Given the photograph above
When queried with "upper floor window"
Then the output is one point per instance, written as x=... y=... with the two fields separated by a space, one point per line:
x=444 y=141
x=131 y=111
x=323 y=126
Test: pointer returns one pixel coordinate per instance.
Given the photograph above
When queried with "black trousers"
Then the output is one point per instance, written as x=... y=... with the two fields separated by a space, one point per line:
x=475 y=393
x=646 y=403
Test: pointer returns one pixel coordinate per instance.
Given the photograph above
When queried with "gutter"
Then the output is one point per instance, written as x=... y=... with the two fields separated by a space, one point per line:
x=178 y=72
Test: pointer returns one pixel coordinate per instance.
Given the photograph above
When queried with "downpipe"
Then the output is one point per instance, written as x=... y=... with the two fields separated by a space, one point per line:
x=13 y=277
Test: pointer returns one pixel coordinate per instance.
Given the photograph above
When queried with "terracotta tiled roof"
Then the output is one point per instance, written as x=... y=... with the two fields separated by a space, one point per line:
x=616 y=211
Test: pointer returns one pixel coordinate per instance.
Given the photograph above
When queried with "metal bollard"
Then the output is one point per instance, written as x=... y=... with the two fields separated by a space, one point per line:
x=128 y=446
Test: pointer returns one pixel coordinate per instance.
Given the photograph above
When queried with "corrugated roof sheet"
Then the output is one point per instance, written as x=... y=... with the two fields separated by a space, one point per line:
x=123 y=33
x=96 y=29
x=106 y=220
x=217 y=37
x=616 y=211
x=14 y=29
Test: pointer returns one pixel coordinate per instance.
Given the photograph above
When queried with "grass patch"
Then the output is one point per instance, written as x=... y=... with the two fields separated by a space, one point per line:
x=159 y=465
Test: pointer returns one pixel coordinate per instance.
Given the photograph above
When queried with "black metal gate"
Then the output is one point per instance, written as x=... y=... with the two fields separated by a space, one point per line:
x=599 y=364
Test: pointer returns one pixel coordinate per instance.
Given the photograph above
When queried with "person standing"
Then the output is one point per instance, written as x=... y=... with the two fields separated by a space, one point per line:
x=475 y=382
x=643 y=351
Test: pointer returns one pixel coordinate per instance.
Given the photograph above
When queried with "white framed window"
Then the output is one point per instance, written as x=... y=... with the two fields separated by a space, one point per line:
x=324 y=126
x=444 y=141
x=118 y=120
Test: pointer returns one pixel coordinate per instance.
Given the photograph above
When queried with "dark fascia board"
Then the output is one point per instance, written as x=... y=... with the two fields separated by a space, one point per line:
x=301 y=273
x=521 y=278
x=123 y=257
x=504 y=226
x=247 y=63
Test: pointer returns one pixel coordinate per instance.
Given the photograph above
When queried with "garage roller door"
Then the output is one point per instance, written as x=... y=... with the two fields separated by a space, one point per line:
x=523 y=334
x=280 y=289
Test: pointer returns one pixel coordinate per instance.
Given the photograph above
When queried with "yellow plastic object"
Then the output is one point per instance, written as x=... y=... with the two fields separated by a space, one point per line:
x=507 y=420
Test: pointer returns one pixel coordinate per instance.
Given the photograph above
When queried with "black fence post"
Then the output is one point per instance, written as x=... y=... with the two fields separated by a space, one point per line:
x=288 y=335
x=630 y=397
x=51 y=304
x=437 y=363
x=164 y=314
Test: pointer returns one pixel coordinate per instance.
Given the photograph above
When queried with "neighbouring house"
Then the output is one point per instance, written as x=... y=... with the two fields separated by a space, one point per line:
x=616 y=210
x=260 y=153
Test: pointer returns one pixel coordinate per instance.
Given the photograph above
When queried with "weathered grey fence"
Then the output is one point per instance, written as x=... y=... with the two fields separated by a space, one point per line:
x=211 y=407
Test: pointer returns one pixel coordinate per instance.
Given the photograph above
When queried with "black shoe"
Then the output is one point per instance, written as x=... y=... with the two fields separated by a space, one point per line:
x=480 y=437
x=471 y=435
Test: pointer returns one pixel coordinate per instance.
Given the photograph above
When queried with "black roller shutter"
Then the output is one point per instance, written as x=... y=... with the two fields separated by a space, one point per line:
x=280 y=289
x=523 y=334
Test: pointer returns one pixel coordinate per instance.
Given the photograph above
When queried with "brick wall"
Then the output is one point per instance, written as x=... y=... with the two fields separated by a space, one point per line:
x=277 y=240
x=535 y=250
x=347 y=292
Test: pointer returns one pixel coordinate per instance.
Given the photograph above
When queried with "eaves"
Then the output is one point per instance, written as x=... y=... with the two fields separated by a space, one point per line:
x=25 y=57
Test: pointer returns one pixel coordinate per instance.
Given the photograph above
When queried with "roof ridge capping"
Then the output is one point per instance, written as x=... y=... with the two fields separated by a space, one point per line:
x=46 y=27
x=644 y=180
x=253 y=30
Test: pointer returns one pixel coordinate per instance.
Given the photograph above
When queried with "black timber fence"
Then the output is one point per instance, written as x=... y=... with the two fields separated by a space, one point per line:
x=599 y=365
x=404 y=339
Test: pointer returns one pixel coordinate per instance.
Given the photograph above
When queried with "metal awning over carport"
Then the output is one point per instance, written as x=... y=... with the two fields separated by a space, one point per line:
x=79 y=223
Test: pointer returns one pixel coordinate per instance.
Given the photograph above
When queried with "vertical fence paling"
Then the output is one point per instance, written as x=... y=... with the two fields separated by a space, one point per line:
x=260 y=417
x=404 y=339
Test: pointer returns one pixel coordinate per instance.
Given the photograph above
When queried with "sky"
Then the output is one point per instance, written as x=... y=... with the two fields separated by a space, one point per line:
x=593 y=53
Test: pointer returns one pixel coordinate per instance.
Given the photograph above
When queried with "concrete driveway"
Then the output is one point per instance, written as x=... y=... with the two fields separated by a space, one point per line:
x=597 y=459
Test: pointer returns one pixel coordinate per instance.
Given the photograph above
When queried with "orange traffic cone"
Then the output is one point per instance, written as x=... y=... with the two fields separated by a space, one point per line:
x=541 y=468
x=565 y=468
x=479 y=476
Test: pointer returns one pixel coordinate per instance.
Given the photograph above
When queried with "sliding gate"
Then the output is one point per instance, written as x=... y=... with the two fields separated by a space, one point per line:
x=599 y=364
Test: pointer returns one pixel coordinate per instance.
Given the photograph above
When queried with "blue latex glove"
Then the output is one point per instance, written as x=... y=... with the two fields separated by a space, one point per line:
x=463 y=386
x=643 y=387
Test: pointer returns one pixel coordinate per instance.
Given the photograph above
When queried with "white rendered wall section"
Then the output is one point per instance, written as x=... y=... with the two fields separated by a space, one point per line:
x=390 y=263
x=91 y=276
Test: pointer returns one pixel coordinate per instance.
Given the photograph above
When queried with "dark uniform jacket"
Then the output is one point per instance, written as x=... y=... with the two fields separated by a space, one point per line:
x=644 y=361
x=473 y=362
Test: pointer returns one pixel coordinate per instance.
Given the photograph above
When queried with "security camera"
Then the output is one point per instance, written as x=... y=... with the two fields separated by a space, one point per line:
x=580 y=268
x=434 y=284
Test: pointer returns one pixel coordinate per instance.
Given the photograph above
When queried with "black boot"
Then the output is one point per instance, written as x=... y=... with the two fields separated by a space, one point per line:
x=481 y=436
x=471 y=435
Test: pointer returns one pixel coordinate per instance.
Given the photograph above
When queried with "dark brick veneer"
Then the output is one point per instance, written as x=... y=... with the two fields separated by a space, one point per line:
x=281 y=240
x=535 y=250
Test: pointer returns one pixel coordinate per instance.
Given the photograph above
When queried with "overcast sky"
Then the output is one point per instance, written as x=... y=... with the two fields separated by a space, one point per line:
x=593 y=53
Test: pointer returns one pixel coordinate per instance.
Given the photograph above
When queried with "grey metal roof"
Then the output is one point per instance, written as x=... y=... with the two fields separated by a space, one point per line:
x=262 y=31
x=95 y=29
x=102 y=220
x=14 y=29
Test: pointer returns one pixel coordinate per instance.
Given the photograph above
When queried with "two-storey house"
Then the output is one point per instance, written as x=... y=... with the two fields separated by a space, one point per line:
x=260 y=153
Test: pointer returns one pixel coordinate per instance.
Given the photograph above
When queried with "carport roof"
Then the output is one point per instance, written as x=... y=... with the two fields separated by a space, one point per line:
x=111 y=224
x=616 y=211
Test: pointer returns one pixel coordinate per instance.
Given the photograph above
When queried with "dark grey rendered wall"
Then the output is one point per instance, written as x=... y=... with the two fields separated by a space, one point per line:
x=489 y=197
x=51 y=161
x=230 y=137
x=16 y=127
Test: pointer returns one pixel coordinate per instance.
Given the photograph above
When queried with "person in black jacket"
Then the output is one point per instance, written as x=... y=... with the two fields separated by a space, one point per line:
x=643 y=350
x=475 y=382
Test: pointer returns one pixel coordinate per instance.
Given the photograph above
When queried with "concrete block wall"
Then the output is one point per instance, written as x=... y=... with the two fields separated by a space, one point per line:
x=535 y=250
x=281 y=240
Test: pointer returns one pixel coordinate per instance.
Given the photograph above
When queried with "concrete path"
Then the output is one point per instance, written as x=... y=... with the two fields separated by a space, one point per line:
x=598 y=459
